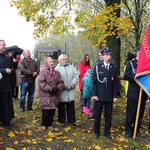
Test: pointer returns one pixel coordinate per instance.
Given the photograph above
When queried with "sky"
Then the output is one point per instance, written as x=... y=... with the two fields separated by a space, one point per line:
x=14 y=29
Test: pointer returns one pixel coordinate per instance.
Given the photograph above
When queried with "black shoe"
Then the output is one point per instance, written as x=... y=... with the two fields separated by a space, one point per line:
x=96 y=135
x=7 y=123
x=139 y=135
x=108 y=136
x=128 y=136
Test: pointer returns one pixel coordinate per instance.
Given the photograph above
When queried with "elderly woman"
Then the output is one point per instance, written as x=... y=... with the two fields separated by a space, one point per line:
x=49 y=84
x=67 y=97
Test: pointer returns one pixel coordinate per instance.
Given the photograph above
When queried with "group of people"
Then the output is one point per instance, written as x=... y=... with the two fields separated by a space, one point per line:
x=104 y=87
x=15 y=72
x=57 y=89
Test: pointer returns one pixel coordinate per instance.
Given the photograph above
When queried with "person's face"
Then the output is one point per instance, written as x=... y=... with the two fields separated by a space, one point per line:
x=64 y=61
x=51 y=62
x=10 y=53
x=87 y=58
x=2 y=46
x=101 y=56
x=27 y=54
x=107 y=57
x=18 y=56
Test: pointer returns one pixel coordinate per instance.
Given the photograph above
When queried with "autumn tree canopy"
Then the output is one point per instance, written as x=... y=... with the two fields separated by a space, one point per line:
x=103 y=22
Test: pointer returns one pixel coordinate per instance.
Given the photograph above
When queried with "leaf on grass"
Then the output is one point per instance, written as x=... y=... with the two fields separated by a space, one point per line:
x=54 y=135
x=16 y=132
x=122 y=139
x=147 y=146
x=97 y=147
x=29 y=133
x=120 y=148
x=2 y=129
x=74 y=134
x=34 y=141
x=90 y=147
x=75 y=148
x=62 y=138
x=11 y=134
x=28 y=141
x=83 y=130
x=83 y=138
x=16 y=142
x=89 y=131
x=9 y=148
x=67 y=129
x=69 y=141
x=48 y=139
x=22 y=133
x=48 y=148
x=1 y=139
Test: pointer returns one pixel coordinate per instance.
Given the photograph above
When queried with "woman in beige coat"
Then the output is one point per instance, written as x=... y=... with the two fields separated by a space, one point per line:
x=67 y=97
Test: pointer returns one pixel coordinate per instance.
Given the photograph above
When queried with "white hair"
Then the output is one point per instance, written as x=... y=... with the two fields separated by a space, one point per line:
x=61 y=57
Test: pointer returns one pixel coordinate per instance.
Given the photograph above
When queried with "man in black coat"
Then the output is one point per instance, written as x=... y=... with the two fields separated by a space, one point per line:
x=132 y=99
x=6 y=104
x=105 y=91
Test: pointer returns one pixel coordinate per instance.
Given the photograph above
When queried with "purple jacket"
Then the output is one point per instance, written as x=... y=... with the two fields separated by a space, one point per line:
x=45 y=85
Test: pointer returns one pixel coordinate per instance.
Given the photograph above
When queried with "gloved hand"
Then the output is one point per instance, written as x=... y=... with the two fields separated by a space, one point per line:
x=54 y=91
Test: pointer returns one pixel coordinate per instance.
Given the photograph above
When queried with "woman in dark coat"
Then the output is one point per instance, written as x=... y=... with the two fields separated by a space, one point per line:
x=6 y=104
x=50 y=84
x=9 y=53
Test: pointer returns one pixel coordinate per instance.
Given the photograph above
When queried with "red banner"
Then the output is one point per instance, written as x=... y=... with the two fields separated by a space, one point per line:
x=144 y=54
x=142 y=76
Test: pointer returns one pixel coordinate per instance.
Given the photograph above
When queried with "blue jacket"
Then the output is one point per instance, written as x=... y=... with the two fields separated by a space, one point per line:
x=87 y=84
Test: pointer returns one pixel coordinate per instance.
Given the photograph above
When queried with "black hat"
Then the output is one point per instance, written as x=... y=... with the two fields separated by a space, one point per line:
x=106 y=50
x=130 y=56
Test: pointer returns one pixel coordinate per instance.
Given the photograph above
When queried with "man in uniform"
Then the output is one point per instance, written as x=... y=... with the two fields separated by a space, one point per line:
x=132 y=99
x=105 y=91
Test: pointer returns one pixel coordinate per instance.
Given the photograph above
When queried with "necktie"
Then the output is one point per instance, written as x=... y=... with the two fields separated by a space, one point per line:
x=107 y=67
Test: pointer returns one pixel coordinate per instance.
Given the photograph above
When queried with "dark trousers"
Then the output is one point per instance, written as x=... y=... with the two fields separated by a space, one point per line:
x=6 y=107
x=47 y=117
x=107 y=115
x=131 y=110
x=93 y=109
x=66 y=107
x=15 y=92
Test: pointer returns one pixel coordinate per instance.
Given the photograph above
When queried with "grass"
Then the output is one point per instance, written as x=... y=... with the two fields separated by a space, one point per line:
x=25 y=133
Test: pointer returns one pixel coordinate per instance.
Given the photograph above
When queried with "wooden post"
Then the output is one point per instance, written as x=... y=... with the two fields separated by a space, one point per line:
x=137 y=113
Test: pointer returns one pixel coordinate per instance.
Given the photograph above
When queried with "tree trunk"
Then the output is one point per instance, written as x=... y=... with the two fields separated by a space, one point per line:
x=113 y=42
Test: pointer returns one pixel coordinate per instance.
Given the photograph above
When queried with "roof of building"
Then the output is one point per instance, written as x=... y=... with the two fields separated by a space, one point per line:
x=47 y=50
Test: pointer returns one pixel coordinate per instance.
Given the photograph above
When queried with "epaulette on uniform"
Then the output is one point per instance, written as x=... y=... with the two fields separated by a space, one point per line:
x=98 y=62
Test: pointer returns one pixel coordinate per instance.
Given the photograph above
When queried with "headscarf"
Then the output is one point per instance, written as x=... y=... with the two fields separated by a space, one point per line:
x=47 y=67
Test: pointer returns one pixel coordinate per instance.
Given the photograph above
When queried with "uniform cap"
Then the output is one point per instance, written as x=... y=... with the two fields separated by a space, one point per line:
x=106 y=50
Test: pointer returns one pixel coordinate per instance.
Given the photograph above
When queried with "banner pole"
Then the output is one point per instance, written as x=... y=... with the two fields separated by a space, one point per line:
x=137 y=113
